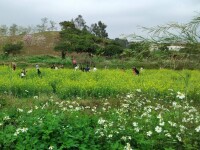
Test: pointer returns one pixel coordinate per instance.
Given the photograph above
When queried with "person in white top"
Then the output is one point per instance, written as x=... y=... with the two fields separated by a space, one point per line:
x=37 y=66
x=94 y=69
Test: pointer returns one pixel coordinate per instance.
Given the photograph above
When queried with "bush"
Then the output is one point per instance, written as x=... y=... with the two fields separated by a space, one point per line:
x=12 y=48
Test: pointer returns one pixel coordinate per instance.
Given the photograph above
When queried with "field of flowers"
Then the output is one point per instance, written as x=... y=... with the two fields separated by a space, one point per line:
x=67 y=83
x=134 y=121
x=106 y=109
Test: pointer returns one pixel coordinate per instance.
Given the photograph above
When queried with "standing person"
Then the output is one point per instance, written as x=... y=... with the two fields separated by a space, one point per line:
x=14 y=66
x=53 y=66
x=74 y=62
x=37 y=66
x=23 y=73
x=24 y=70
x=135 y=71
x=87 y=69
x=39 y=72
x=94 y=69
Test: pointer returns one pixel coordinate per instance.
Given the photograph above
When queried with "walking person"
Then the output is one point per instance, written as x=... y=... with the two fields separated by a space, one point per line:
x=37 y=66
x=136 y=71
x=39 y=72
x=14 y=66
x=74 y=62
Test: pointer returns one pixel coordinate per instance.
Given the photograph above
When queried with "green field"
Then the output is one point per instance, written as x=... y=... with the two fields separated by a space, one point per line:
x=106 y=109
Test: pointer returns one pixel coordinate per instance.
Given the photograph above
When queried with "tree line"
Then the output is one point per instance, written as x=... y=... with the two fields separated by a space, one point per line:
x=76 y=36
x=14 y=29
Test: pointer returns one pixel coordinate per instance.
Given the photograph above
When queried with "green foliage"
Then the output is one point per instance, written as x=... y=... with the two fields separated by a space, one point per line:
x=191 y=48
x=64 y=47
x=99 y=29
x=136 y=120
x=112 y=50
x=12 y=48
x=140 y=49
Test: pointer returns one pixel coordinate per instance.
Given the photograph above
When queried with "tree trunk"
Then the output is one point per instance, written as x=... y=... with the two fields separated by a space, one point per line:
x=63 y=54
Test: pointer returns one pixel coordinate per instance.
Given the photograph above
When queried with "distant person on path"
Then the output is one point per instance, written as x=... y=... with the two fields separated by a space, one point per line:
x=135 y=71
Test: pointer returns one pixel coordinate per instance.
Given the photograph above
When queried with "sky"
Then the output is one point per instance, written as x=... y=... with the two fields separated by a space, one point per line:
x=120 y=16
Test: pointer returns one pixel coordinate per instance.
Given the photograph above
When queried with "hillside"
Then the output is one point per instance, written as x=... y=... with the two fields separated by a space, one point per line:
x=34 y=44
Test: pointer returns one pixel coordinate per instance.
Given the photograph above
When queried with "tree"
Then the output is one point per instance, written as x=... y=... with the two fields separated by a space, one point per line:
x=13 y=29
x=79 y=22
x=112 y=48
x=43 y=27
x=174 y=32
x=99 y=30
x=82 y=40
x=122 y=42
x=63 y=47
x=12 y=48
x=3 y=30
x=52 y=26
x=140 y=49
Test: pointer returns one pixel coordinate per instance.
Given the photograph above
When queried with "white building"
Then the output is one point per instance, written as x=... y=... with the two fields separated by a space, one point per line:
x=174 y=48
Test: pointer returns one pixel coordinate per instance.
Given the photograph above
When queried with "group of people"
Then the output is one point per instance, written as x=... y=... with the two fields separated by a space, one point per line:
x=76 y=67
x=24 y=71
x=85 y=69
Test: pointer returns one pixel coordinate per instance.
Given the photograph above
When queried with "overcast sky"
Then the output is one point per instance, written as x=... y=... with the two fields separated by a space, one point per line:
x=120 y=16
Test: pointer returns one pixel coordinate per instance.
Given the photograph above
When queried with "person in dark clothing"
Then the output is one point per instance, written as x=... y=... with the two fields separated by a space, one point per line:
x=39 y=72
x=87 y=69
x=136 y=71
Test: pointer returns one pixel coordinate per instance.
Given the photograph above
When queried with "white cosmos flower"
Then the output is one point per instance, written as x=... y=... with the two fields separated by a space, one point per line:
x=158 y=129
x=24 y=129
x=178 y=137
x=128 y=95
x=159 y=116
x=162 y=123
x=110 y=135
x=51 y=147
x=137 y=129
x=125 y=105
x=197 y=129
x=6 y=118
x=30 y=111
x=149 y=133
x=180 y=95
x=168 y=135
x=35 y=97
x=135 y=124
x=127 y=147
x=19 y=110
x=101 y=121
x=138 y=90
